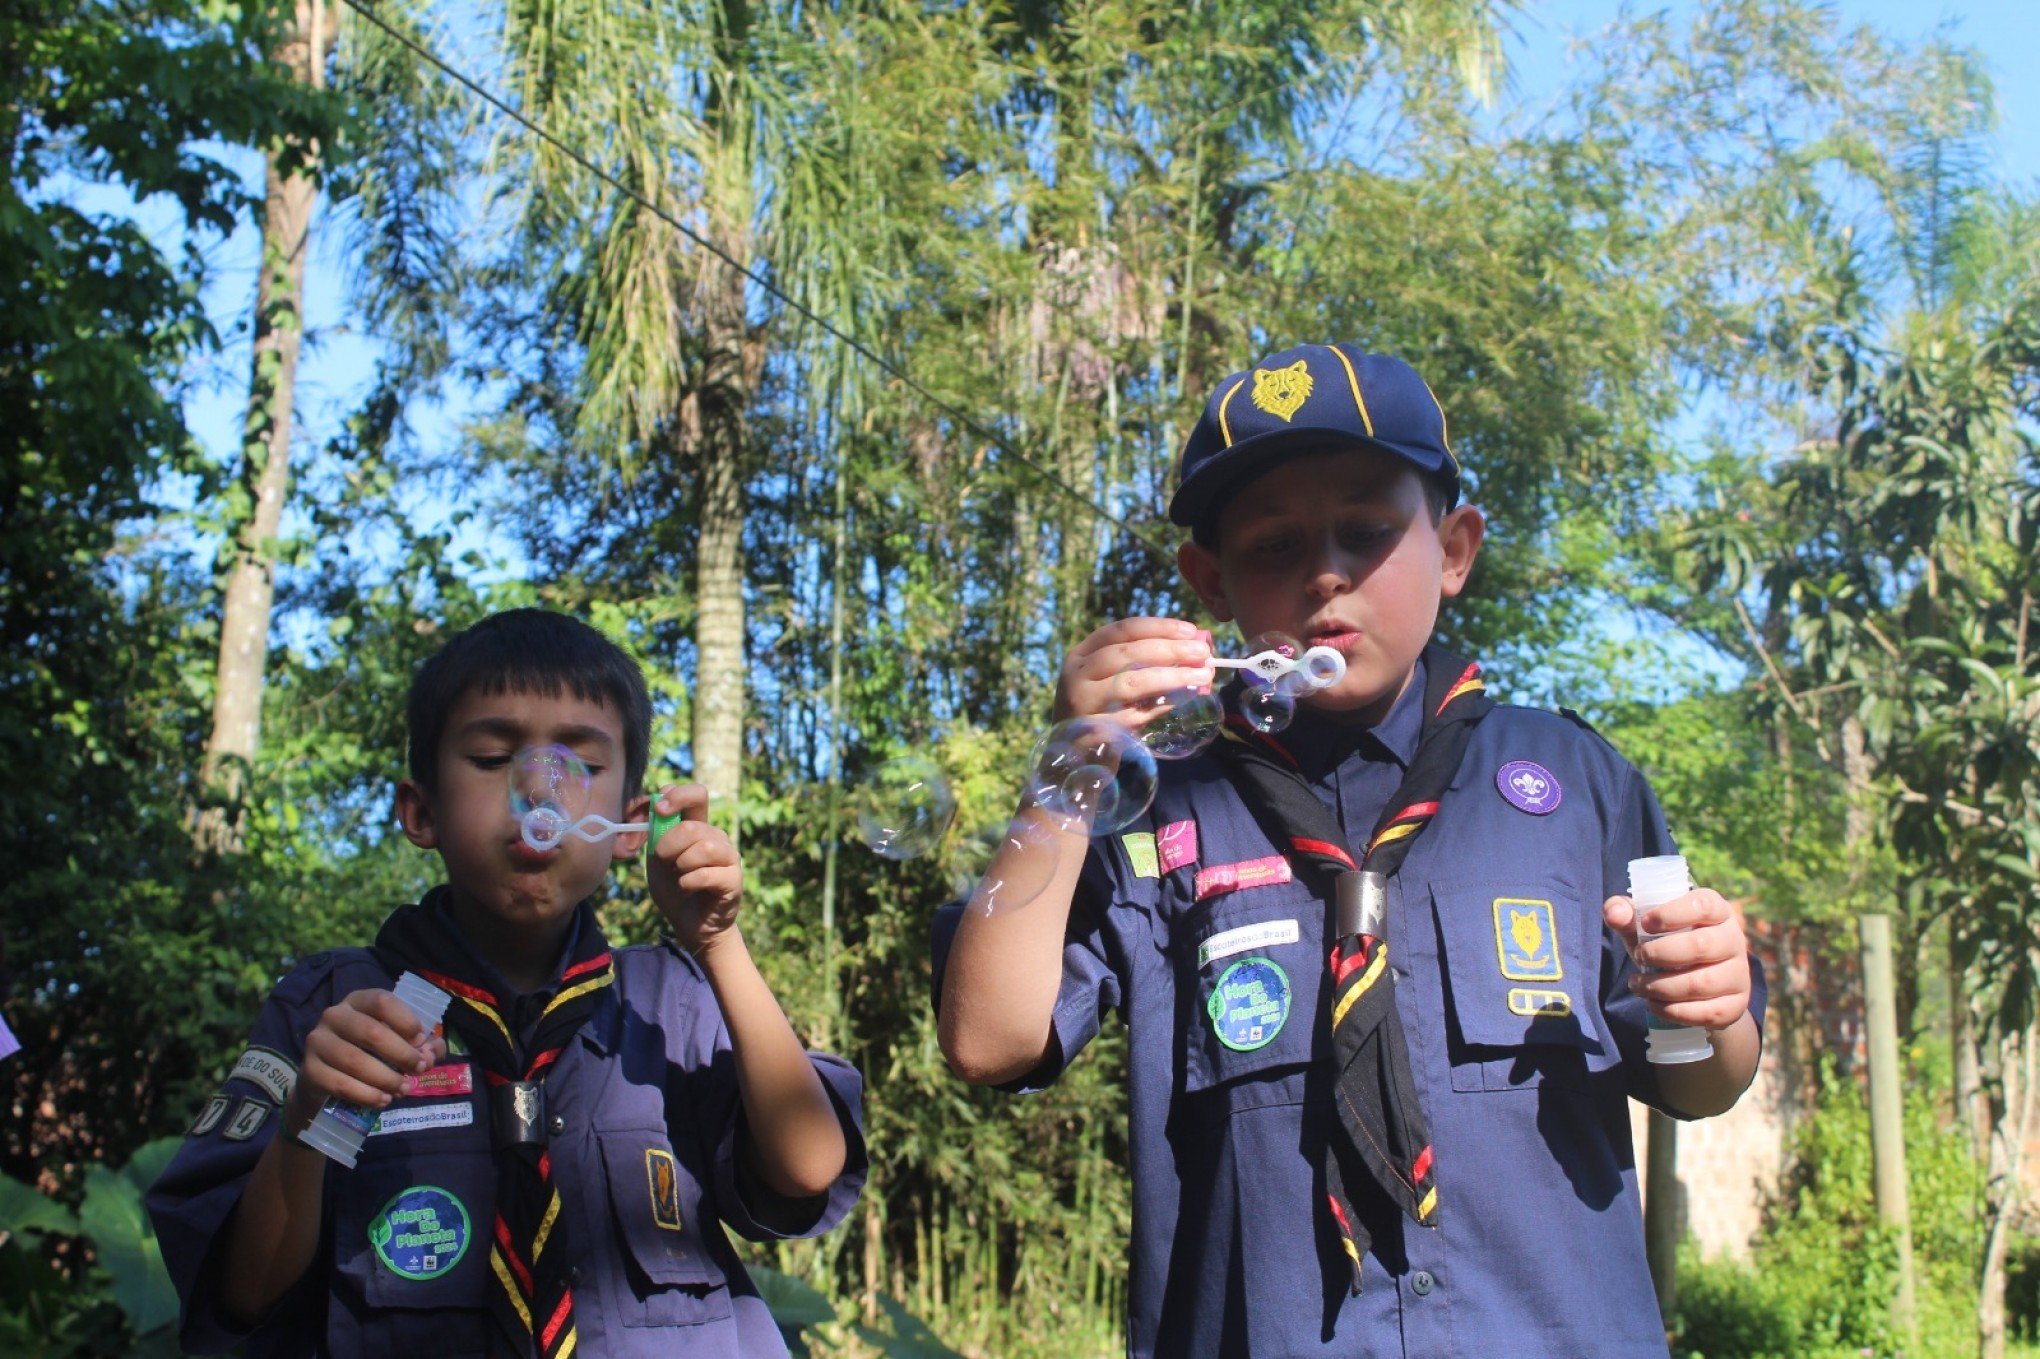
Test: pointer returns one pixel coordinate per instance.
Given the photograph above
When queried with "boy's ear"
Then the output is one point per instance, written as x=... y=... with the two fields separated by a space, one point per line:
x=1199 y=565
x=1460 y=533
x=630 y=844
x=414 y=814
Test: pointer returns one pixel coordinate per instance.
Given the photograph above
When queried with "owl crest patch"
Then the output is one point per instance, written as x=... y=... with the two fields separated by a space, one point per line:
x=1526 y=942
x=1282 y=391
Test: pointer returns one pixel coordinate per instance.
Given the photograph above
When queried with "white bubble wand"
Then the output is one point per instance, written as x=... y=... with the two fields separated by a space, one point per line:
x=1321 y=666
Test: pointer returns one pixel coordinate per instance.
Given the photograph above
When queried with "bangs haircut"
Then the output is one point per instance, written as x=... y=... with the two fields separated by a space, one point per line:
x=529 y=651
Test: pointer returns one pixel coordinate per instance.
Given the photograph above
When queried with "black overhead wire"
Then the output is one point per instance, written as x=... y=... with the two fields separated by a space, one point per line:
x=962 y=417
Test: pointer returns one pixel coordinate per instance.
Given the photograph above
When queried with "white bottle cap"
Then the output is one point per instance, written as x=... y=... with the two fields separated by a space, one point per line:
x=1658 y=879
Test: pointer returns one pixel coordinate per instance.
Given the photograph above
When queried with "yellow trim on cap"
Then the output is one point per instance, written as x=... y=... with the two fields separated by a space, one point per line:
x=1354 y=379
x=1223 y=427
x=1444 y=425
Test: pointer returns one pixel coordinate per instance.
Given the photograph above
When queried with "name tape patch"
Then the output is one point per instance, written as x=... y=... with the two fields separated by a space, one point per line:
x=1222 y=878
x=1246 y=938
x=1533 y=1003
x=444 y=1080
x=421 y=1233
x=269 y=1069
x=419 y=1117
x=1249 y=1004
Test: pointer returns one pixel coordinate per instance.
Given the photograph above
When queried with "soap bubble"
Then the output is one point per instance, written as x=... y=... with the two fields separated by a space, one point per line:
x=1189 y=721
x=1179 y=722
x=548 y=793
x=1019 y=863
x=1092 y=772
x=1267 y=708
x=1281 y=643
x=903 y=808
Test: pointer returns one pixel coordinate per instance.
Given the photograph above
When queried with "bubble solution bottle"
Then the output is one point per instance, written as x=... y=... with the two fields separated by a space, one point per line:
x=339 y=1128
x=1653 y=882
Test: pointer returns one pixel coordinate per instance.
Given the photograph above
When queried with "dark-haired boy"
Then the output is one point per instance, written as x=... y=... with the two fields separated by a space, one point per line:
x=1361 y=1124
x=555 y=1172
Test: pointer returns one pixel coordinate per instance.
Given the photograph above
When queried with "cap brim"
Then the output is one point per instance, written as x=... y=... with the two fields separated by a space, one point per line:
x=1218 y=480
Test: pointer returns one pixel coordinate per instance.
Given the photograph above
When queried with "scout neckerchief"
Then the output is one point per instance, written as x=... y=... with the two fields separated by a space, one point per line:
x=533 y=1305
x=1375 y=1092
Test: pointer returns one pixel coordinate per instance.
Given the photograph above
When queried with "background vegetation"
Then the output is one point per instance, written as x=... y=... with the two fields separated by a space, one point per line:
x=833 y=357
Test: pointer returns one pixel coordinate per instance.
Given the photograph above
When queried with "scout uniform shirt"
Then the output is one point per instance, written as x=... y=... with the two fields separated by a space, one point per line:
x=1525 y=1044
x=643 y=1111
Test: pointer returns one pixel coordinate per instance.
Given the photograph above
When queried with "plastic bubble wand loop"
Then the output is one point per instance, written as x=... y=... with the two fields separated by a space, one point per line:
x=545 y=827
x=1322 y=666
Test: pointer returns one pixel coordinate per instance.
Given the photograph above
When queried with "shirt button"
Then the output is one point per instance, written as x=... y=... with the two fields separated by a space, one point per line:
x=1422 y=1282
x=558 y=1125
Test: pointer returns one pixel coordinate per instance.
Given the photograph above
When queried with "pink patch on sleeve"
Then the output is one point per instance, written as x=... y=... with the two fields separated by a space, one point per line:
x=1176 y=844
x=1222 y=878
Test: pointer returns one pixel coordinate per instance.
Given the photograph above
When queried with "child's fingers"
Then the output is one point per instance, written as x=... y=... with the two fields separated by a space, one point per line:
x=1113 y=663
x=1124 y=630
x=686 y=800
x=1702 y=907
x=1699 y=947
x=725 y=881
x=378 y=1022
x=339 y=1066
x=710 y=850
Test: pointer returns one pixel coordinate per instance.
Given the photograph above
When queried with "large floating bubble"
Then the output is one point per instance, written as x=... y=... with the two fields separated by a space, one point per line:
x=1093 y=774
x=548 y=793
x=1018 y=864
x=903 y=808
x=1267 y=708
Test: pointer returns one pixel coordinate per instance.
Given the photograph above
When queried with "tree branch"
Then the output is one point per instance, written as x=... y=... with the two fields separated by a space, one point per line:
x=1778 y=679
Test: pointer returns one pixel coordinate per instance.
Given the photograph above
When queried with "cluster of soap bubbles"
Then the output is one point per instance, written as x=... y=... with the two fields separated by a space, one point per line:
x=1088 y=775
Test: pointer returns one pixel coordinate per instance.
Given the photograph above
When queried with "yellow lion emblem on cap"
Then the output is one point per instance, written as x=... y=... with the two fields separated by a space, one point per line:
x=1282 y=391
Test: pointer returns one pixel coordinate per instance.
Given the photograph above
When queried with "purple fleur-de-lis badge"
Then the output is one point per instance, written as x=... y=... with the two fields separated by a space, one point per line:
x=1529 y=787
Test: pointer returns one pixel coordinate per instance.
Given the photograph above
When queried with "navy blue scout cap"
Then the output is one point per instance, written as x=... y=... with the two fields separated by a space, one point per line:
x=1314 y=398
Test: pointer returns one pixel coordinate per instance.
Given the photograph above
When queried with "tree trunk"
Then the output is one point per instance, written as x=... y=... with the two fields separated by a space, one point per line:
x=713 y=436
x=265 y=471
x=2008 y=1090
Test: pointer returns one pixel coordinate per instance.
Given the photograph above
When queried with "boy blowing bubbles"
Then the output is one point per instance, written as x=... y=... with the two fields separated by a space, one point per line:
x=549 y=1175
x=1488 y=1031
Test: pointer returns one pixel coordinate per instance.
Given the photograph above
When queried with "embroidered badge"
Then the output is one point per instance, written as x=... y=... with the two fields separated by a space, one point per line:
x=1249 y=1004
x=1178 y=844
x=1140 y=852
x=444 y=1080
x=1526 y=944
x=1529 y=787
x=419 y=1117
x=1282 y=391
x=1246 y=938
x=1222 y=878
x=248 y=1119
x=662 y=1175
x=421 y=1233
x=1536 y=1004
x=210 y=1116
x=268 y=1069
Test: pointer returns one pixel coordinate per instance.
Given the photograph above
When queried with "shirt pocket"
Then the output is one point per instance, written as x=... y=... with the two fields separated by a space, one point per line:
x=411 y=1245
x=1521 y=974
x=657 y=1205
x=1252 y=969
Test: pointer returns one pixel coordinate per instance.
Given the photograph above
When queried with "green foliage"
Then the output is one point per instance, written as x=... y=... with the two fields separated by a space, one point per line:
x=1820 y=1278
x=55 y=1302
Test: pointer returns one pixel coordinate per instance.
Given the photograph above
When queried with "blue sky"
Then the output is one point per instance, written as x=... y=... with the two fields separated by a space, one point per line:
x=339 y=360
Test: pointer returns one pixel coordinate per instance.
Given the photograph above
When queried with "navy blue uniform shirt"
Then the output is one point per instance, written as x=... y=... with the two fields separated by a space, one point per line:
x=644 y=1114
x=1525 y=1043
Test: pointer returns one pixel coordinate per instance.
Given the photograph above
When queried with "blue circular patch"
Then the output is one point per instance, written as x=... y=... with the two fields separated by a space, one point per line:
x=421 y=1233
x=1249 y=1004
x=1529 y=786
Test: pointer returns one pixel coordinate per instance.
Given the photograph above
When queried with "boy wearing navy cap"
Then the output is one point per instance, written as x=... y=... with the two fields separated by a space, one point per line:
x=1384 y=1015
x=555 y=1172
